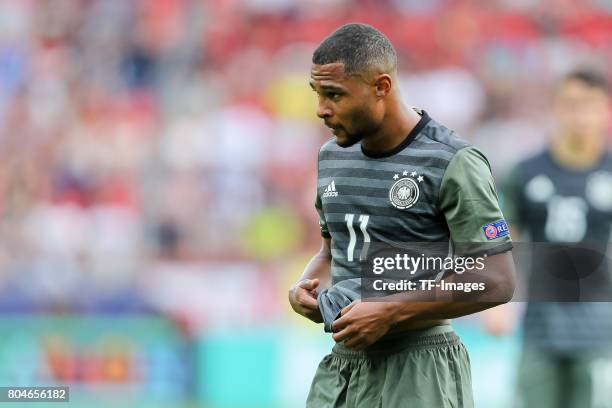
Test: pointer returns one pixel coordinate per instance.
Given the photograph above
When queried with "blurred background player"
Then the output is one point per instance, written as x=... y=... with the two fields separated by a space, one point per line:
x=563 y=196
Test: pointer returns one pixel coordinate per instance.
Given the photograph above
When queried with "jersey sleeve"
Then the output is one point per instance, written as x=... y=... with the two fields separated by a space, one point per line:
x=319 y=207
x=322 y=222
x=470 y=205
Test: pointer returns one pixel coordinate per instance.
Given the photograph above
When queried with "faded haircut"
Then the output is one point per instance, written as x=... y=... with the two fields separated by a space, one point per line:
x=360 y=47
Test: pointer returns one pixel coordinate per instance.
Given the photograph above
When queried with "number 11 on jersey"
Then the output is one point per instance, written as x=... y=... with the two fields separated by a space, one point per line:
x=363 y=224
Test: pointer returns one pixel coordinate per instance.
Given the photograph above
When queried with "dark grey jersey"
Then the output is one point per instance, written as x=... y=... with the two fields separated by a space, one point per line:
x=433 y=187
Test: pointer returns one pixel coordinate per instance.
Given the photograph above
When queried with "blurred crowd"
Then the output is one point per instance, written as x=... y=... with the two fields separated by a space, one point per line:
x=135 y=134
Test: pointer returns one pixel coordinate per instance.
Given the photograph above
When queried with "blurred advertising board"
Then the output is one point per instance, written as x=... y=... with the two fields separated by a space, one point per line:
x=109 y=360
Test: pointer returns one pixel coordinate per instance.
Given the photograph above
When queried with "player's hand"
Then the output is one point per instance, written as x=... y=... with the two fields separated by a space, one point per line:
x=362 y=323
x=303 y=299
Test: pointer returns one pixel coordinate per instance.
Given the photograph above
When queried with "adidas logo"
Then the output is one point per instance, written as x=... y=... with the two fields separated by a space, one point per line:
x=330 y=191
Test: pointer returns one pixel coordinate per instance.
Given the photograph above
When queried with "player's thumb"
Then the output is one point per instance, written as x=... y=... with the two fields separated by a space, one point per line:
x=309 y=284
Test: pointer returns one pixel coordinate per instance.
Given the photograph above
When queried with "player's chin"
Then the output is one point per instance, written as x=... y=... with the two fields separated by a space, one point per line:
x=344 y=140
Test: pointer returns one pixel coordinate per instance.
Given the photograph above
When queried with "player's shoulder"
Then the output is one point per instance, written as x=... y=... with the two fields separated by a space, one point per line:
x=436 y=136
x=445 y=146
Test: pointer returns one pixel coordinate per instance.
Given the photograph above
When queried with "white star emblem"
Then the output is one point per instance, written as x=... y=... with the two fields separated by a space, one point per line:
x=420 y=178
x=405 y=173
x=413 y=174
x=396 y=177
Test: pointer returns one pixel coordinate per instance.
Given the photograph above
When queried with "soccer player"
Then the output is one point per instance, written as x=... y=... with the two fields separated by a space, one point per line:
x=391 y=174
x=563 y=197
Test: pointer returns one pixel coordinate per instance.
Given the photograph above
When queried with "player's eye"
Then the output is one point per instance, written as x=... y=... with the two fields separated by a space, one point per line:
x=334 y=96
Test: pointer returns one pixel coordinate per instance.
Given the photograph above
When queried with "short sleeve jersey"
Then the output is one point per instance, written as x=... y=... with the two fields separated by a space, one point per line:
x=433 y=187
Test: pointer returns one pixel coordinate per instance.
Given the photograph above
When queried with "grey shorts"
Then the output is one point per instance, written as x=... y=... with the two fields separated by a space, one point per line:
x=422 y=369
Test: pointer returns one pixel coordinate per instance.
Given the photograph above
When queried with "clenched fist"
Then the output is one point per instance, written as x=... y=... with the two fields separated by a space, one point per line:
x=303 y=299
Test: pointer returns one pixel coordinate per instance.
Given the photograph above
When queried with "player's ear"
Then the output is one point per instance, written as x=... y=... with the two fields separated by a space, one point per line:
x=383 y=85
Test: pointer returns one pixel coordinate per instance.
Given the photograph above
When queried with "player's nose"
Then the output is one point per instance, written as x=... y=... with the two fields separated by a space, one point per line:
x=323 y=111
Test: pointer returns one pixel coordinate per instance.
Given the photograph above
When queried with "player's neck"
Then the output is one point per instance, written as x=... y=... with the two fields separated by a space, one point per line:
x=398 y=123
x=577 y=152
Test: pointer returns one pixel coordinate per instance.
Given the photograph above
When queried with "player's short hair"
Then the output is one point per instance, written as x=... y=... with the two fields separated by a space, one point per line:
x=359 y=46
x=590 y=77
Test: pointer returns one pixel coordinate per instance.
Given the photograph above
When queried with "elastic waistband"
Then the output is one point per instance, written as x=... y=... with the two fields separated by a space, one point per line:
x=432 y=337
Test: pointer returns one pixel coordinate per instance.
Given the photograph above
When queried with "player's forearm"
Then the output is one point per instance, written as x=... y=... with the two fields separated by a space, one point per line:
x=319 y=267
x=316 y=277
x=498 y=280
